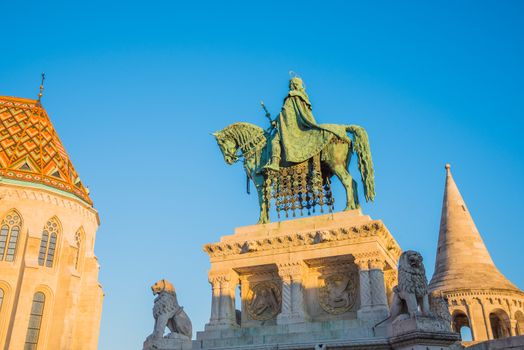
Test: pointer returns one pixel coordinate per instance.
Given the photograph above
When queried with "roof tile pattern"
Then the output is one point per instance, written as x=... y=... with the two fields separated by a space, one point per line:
x=30 y=149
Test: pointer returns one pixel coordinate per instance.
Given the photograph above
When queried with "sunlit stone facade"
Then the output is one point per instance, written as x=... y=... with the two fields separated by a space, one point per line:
x=50 y=297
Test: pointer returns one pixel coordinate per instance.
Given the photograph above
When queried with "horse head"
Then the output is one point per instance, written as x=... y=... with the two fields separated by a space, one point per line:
x=227 y=145
x=237 y=138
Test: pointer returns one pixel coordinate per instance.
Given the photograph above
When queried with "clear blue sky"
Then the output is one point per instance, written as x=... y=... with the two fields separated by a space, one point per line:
x=135 y=88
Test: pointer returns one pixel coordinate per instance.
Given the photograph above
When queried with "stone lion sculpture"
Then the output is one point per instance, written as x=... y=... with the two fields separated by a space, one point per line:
x=168 y=313
x=411 y=294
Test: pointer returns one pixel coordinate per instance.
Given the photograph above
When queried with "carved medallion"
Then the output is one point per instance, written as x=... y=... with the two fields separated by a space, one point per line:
x=337 y=293
x=263 y=302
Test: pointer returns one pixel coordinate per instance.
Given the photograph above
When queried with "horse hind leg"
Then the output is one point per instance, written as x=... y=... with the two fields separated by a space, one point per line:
x=350 y=186
x=337 y=158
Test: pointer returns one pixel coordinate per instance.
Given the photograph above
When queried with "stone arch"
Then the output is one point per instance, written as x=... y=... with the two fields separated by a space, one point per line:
x=460 y=324
x=10 y=231
x=519 y=317
x=51 y=234
x=500 y=325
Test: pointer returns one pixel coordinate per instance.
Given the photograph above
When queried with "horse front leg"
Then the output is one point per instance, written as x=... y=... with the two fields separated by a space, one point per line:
x=262 y=201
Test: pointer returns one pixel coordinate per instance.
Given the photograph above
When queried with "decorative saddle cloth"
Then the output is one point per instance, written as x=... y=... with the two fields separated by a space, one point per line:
x=298 y=187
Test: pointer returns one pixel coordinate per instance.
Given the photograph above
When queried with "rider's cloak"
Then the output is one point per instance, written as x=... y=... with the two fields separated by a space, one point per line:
x=300 y=136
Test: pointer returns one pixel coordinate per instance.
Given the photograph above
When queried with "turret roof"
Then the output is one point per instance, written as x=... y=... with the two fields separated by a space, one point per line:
x=31 y=151
x=463 y=262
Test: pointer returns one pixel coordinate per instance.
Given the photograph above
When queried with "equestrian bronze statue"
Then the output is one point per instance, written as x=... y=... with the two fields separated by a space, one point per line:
x=292 y=162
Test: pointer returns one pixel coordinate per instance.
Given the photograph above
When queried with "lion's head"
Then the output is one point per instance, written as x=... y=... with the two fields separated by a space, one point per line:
x=412 y=274
x=411 y=258
x=162 y=286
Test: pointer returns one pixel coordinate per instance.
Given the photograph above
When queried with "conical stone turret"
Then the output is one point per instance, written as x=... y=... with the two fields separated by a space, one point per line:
x=462 y=258
x=479 y=296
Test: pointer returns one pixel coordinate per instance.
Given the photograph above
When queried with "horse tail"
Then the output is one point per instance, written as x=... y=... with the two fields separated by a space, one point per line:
x=365 y=163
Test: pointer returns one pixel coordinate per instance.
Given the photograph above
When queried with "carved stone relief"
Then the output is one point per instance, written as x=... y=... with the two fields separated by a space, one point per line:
x=337 y=292
x=264 y=301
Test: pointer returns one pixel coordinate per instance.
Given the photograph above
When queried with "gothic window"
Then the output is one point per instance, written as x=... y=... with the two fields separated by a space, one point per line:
x=79 y=247
x=35 y=321
x=9 y=232
x=48 y=243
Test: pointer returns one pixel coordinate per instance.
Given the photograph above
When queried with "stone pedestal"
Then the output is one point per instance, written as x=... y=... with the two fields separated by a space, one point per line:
x=310 y=280
x=421 y=333
x=173 y=341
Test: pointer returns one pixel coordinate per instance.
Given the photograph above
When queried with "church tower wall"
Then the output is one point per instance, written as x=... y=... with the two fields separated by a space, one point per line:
x=73 y=296
x=50 y=297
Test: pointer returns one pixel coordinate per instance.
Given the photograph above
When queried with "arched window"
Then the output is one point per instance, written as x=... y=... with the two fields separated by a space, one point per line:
x=500 y=325
x=9 y=232
x=460 y=324
x=48 y=243
x=35 y=321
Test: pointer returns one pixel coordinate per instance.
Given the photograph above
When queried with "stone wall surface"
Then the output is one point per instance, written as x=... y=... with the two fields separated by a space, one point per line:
x=73 y=295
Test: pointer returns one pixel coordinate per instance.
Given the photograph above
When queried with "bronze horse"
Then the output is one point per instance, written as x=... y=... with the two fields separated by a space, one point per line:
x=250 y=142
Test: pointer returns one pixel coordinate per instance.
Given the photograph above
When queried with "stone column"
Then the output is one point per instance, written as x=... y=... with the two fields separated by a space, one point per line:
x=487 y=323
x=512 y=321
x=373 y=299
x=378 y=286
x=215 y=299
x=513 y=327
x=292 y=294
x=365 y=287
x=223 y=286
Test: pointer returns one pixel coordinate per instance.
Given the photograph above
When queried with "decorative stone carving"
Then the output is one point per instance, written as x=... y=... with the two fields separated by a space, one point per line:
x=294 y=285
x=337 y=293
x=168 y=313
x=264 y=301
x=249 y=247
x=315 y=237
x=412 y=289
x=413 y=324
x=439 y=307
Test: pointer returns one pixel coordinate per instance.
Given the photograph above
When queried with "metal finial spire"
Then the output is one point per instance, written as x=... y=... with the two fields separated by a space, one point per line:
x=40 y=94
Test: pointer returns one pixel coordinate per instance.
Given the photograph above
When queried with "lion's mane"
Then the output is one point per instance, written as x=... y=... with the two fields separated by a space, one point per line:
x=166 y=301
x=411 y=279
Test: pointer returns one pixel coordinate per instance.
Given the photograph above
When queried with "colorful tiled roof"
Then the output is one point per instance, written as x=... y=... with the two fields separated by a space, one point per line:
x=31 y=151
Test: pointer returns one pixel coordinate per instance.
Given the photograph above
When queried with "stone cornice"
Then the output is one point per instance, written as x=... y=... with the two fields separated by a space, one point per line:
x=482 y=292
x=328 y=237
x=17 y=193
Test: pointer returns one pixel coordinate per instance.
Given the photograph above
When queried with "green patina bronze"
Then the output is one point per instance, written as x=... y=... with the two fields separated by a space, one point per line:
x=295 y=138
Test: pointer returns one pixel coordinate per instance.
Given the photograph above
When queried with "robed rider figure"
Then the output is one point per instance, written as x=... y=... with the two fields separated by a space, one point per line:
x=298 y=137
